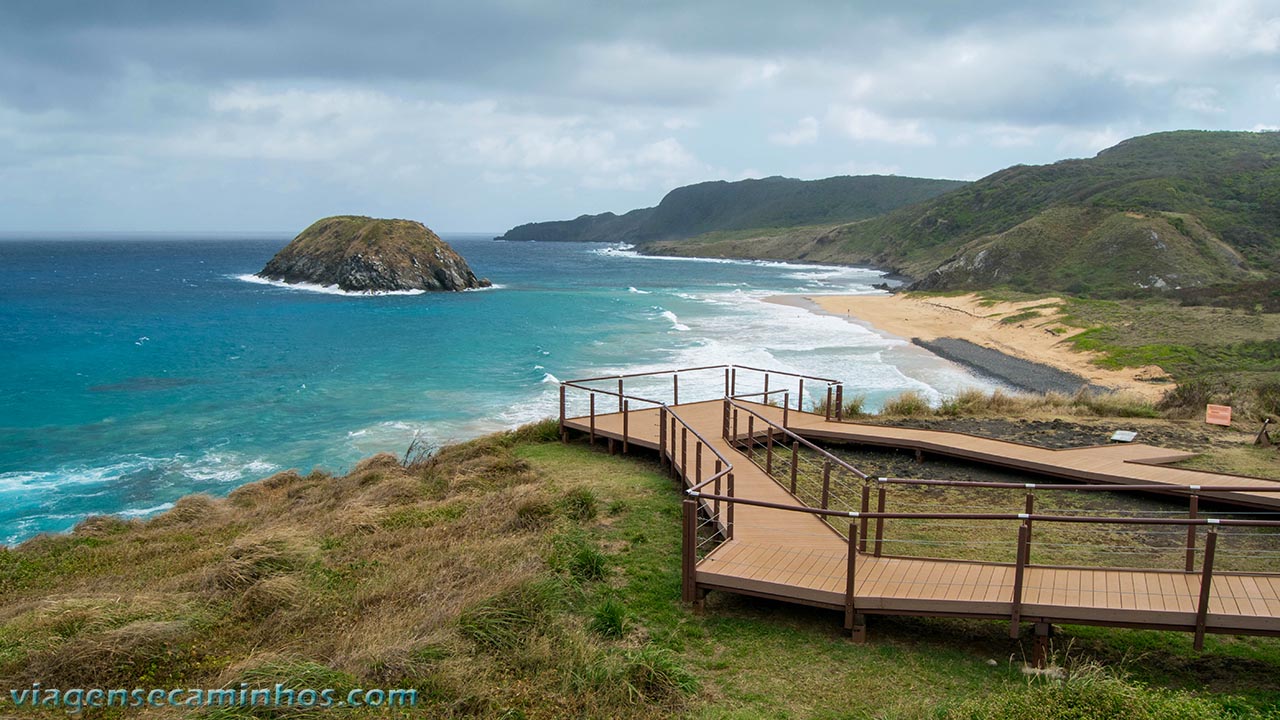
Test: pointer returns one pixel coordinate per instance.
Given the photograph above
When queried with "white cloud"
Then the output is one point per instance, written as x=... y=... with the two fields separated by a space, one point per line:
x=1088 y=142
x=1198 y=99
x=804 y=133
x=860 y=123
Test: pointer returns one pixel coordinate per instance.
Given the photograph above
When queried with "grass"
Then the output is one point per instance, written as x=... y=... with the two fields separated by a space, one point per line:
x=563 y=613
x=972 y=402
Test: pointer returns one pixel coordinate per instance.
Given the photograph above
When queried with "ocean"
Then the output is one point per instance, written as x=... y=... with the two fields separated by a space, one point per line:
x=137 y=370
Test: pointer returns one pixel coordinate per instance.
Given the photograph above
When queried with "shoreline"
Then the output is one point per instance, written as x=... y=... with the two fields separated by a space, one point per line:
x=1021 y=344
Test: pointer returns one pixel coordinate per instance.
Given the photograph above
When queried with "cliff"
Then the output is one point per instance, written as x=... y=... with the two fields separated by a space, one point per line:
x=362 y=254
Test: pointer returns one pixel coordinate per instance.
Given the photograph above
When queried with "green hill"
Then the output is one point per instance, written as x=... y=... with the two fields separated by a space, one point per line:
x=771 y=202
x=1177 y=209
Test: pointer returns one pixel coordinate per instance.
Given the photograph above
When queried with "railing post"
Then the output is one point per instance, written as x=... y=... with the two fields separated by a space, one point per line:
x=735 y=425
x=697 y=463
x=689 y=548
x=619 y=394
x=879 y=522
x=593 y=418
x=1206 y=584
x=724 y=430
x=733 y=382
x=672 y=447
x=839 y=403
x=800 y=397
x=1191 y=533
x=786 y=408
x=731 y=504
x=684 y=452
x=1031 y=506
x=866 y=508
x=766 y=388
x=726 y=382
x=1019 y=569
x=828 y=413
x=826 y=483
x=768 y=453
x=719 y=518
x=751 y=437
x=626 y=414
x=795 y=457
x=663 y=460
x=675 y=389
x=857 y=632
x=563 y=435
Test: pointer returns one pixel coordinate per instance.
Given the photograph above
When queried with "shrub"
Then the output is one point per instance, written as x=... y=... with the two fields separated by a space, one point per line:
x=653 y=674
x=580 y=504
x=610 y=618
x=909 y=404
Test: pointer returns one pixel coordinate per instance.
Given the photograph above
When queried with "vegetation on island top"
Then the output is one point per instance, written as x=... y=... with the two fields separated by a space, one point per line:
x=513 y=576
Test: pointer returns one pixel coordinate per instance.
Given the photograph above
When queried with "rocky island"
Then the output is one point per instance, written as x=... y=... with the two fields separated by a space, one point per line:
x=363 y=254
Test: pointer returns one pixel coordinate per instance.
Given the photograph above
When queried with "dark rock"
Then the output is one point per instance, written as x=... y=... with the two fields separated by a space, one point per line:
x=361 y=254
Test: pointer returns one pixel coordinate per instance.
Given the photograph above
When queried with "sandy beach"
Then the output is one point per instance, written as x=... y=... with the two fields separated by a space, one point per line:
x=1037 y=339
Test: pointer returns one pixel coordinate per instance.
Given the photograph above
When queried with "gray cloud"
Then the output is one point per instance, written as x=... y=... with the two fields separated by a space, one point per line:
x=587 y=106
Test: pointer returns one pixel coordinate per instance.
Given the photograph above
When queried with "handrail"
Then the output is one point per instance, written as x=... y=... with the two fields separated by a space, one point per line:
x=799 y=439
x=828 y=381
x=651 y=373
x=1082 y=486
x=989 y=516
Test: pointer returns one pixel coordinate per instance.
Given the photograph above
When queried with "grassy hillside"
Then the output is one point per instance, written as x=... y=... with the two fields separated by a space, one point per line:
x=771 y=202
x=515 y=577
x=1177 y=209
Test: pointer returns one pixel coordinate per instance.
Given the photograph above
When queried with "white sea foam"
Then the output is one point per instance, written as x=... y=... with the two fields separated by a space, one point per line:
x=638 y=292
x=325 y=289
x=143 y=512
x=675 y=321
x=550 y=379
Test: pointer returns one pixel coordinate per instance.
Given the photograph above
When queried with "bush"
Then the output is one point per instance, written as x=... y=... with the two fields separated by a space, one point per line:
x=909 y=404
x=610 y=618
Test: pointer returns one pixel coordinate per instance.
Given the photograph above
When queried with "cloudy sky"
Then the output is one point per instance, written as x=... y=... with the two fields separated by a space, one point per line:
x=244 y=115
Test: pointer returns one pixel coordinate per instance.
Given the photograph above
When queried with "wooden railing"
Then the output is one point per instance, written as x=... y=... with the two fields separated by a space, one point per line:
x=708 y=506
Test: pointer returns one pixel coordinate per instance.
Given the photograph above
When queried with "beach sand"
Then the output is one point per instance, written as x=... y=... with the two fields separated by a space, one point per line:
x=1037 y=339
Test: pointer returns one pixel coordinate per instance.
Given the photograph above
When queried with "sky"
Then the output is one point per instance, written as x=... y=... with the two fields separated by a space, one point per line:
x=263 y=115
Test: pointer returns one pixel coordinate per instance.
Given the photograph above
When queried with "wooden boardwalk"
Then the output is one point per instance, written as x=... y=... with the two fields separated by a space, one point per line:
x=797 y=557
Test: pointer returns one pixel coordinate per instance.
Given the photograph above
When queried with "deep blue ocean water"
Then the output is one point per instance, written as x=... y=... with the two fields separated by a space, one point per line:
x=134 y=371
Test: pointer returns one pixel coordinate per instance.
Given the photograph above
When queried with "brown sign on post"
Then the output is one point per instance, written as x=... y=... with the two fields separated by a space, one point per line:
x=1217 y=414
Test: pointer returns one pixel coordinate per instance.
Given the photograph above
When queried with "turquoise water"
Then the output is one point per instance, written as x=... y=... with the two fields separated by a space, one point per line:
x=135 y=371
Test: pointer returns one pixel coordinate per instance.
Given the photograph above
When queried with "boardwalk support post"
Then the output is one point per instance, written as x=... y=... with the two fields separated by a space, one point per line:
x=828 y=409
x=724 y=430
x=800 y=397
x=689 y=549
x=1191 y=533
x=853 y=622
x=1206 y=584
x=733 y=382
x=786 y=409
x=663 y=460
x=880 y=521
x=839 y=403
x=697 y=463
x=564 y=434
x=1019 y=569
x=1040 y=651
x=672 y=447
x=675 y=389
